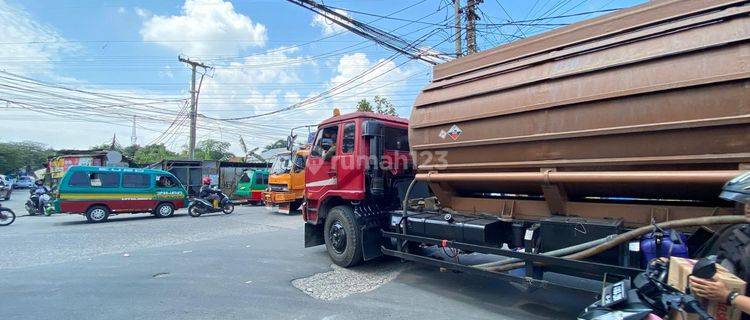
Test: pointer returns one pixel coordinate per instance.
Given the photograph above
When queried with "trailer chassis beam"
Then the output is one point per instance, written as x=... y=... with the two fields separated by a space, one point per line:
x=587 y=267
x=529 y=283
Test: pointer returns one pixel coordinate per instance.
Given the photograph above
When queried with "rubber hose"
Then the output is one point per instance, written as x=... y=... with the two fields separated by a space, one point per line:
x=405 y=204
x=632 y=234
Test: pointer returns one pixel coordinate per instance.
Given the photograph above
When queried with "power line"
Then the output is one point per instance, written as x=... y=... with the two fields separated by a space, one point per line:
x=367 y=31
x=193 y=101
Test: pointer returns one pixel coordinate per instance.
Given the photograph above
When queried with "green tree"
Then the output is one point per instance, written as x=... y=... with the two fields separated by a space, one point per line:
x=130 y=151
x=153 y=153
x=364 y=106
x=112 y=144
x=211 y=149
x=18 y=155
x=107 y=146
x=281 y=143
x=382 y=105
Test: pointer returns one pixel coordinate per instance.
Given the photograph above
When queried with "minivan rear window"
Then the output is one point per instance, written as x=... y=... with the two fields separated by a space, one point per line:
x=136 y=180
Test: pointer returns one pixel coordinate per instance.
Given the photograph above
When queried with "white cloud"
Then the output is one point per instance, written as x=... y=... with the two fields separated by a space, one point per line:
x=205 y=27
x=121 y=10
x=167 y=72
x=262 y=78
x=384 y=80
x=30 y=46
x=143 y=13
x=326 y=24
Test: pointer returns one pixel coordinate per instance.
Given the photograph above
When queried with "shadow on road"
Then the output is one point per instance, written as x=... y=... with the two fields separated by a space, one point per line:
x=120 y=218
x=496 y=295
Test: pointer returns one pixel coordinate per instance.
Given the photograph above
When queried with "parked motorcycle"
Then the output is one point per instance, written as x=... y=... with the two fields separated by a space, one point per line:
x=201 y=206
x=649 y=294
x=7 y=216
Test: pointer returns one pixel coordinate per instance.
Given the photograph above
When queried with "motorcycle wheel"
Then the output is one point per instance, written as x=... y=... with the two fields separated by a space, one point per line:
x=31 y=210
x=194 y=212
x=228 y=208
x=7 y=217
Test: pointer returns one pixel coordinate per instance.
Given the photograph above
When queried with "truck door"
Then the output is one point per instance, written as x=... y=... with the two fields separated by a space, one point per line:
x=297 y=181
x=348 y=167
x=320 y=175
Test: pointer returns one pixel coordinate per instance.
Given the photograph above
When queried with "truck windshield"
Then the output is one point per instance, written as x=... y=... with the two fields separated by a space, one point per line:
x=280 y=165
x=299 y=162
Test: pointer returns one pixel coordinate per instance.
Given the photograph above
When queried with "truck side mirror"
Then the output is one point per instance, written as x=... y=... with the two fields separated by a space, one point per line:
x=289 y=142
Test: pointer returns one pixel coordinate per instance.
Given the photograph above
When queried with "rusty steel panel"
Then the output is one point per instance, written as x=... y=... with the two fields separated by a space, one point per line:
x=661 y=87
x=618 y=22
x=632 y=215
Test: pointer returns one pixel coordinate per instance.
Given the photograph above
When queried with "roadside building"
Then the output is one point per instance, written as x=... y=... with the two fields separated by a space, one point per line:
x=57 y=166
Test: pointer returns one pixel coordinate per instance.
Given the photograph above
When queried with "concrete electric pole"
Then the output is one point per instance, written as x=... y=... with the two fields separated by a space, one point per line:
x=133 y=137
x=193 y=103
x=471 y=26
x=457 y=13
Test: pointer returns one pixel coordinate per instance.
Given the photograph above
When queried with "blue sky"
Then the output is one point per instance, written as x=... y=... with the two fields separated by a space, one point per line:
x=121 y=56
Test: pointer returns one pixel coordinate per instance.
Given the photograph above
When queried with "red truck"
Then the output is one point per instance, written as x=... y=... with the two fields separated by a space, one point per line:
x=560 y=151
x=353 y=157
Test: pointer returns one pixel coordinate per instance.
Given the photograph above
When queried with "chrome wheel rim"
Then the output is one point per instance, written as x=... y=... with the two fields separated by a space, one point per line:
x=165 y=210
x=98 y=214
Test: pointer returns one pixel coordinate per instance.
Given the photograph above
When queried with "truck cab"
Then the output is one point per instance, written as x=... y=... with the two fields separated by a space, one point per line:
x=358 y=169
x=286 y=182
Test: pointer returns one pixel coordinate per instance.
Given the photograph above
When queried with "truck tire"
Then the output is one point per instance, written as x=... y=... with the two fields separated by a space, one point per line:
x=97 y=214
x=342 y=237
x=164 y=210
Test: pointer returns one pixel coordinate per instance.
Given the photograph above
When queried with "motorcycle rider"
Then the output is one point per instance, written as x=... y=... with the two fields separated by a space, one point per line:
x=39 y=190
x=207 y=192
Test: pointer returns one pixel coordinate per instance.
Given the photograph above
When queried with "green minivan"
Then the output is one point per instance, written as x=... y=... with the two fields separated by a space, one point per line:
x=98 y=192
x=251 y=185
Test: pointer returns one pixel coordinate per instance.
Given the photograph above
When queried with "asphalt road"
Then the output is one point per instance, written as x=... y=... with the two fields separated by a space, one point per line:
x=248 y=265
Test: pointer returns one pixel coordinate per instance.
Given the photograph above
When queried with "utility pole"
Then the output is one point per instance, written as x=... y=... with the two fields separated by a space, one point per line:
x=457 y=14
x=133 y=137
x=193 y=103
x=471 y=27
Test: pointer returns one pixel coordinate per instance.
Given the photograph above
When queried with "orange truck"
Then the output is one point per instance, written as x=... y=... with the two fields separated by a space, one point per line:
x=286 y=182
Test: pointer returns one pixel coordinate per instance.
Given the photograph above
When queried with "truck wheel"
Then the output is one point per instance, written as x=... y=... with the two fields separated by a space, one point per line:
x=342 y=235
x=97 y=214
x=164 y=210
